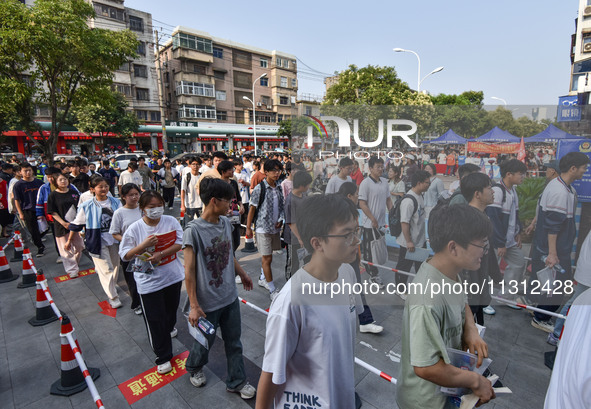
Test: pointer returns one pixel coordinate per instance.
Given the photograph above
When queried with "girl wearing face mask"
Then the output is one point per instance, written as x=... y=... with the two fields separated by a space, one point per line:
x=123 y=218
x=95 y=216
x=151 y=245
x=62 y=205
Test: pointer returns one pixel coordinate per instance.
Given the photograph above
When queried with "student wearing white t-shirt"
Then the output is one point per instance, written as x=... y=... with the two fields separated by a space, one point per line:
x=374 y=201
x=190 y=202
x=152 y=244
x=335 y=182
x=123 y=218
x=310 y=339
x=131 y=175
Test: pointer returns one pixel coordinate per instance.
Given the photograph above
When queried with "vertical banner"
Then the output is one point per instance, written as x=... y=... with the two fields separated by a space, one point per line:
x=583 y=186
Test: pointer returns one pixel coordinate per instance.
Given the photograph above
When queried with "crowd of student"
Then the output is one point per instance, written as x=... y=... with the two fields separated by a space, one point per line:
x=309 y=345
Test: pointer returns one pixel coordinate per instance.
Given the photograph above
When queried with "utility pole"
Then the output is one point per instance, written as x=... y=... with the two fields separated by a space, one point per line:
x=161 y=96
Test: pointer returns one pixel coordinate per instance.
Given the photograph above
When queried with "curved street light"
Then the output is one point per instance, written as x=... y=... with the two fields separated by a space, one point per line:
x=254 y=117
x=419 y=80
x=500 y=99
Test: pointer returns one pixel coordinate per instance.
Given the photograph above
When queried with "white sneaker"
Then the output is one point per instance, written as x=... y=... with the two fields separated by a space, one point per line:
x=488 y=310
x=274 y=294
x=164 y=368
x=543 y=325
x=115 y=303
x=198 y=379
x=371 y=327
x=174 y=333
x=263 y=283
x=402 y=296
x=59 y=260
x=138 y=311
x=246 y=392
x=238 y=280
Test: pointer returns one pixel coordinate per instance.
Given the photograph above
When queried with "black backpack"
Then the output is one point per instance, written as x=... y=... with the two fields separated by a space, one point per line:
x=502 y=190
x=443 y=201
x=394 y=222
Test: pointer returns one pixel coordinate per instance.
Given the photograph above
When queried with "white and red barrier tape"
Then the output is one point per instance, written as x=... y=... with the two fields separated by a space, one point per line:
x=524 y=306
x=72 y=342
x=87 y=377
x=358 y=361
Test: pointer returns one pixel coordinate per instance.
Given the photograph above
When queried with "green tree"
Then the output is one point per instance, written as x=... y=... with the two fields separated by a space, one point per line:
x=49 y=56
x=465 y=98
x=108 y=118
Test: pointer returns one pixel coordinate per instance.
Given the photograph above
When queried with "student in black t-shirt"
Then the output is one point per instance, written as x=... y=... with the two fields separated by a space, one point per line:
x=25 y=199
x=78 y=177
x=62 y=204
x=110 y=175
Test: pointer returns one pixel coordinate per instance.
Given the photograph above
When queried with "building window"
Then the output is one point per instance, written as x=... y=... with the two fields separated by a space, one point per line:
x=264 y=63
x=264 y=82
x=283 y=100
x=294 y=83
x=308 y=110
x=283 y=82
x=155 y=116
x=42 y=111
x=192 y=42
x=578 y=82
x=220 y=95
x=142 y=115
x=194 y=88
x=106 y=11
x=136 y=24
x=278 y=62
x=196 y=111
x=218 y=52
x=140 y=71
x=265 y=100
x=124 y=89
x=124 y=67
x=222 y=115
x=285 y=63
x=142 y=94
x=218 y=75
x=279 y=117
x=141 y=48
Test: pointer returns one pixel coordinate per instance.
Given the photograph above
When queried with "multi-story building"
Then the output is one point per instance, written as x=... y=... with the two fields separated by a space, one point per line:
x=208 y=79
x=136 y=79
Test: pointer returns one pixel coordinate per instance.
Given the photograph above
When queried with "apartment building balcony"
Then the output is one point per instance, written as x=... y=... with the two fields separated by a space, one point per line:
x=188 y=54
x=190 y=75
x=195 y=100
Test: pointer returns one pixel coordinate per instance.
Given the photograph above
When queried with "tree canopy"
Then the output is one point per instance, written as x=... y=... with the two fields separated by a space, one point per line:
x=50 y=56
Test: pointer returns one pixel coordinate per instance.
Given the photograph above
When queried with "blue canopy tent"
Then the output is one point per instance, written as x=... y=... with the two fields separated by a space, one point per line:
x=448 y=138
x=551 y=134
x=498 y=135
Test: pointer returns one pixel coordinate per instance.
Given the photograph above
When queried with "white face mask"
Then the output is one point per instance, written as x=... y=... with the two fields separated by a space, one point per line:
x=154 y=213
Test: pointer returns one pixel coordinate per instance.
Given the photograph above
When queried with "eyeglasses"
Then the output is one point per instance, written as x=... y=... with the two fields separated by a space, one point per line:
x=349 y=237
x=484 y=248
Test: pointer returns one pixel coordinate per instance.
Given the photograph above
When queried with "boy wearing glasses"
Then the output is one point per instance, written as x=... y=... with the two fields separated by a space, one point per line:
x=310 y=337
x=210 y=273
x=436 y=320
x=266 y=200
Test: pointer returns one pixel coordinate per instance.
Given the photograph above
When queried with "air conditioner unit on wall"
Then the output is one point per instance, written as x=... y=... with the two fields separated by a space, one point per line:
x=259 y=104
x=587 y=11
x=587 y=48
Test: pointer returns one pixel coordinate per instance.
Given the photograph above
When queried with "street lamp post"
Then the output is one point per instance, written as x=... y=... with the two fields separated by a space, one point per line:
x=500 y=99
x=254 y=117
x=419 y=80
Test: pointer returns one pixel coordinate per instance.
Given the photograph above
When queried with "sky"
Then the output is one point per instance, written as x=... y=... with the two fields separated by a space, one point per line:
x=517 y=50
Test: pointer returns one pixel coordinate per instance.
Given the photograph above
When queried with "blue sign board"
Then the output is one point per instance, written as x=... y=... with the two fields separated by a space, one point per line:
x=583 y=186
x=568 y=110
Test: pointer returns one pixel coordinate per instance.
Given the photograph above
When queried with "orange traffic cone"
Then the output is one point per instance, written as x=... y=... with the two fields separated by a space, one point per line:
x=5 y=271
x=249 y=245
x=28 y=279
x=18 y=247
x=44 y=313
x=72 y=379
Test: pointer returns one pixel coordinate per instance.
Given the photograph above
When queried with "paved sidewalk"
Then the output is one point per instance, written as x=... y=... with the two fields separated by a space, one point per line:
x=30 y=356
